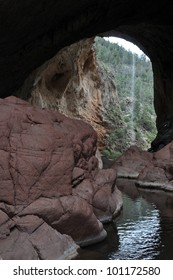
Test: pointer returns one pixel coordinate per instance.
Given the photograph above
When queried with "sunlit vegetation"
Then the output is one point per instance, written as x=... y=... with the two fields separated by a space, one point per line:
x=118 y=63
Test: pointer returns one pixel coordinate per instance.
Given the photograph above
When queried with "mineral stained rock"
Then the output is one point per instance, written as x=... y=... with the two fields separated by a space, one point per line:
x=52 y=193
x=73 y=83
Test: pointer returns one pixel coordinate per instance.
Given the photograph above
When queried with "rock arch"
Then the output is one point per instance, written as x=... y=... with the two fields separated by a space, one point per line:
x=32 y=32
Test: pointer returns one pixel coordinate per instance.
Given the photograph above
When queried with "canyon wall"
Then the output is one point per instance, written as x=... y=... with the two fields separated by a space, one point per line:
x=74 y=84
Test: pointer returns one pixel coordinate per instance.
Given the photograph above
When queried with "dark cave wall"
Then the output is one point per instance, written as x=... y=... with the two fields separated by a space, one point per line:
x=31 y=32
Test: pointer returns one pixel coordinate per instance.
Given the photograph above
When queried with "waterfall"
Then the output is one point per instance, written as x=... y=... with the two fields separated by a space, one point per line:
x=132 y=98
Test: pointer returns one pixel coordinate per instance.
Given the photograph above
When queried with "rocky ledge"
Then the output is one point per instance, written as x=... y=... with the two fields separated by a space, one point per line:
x=150 y=170
x=53 y=195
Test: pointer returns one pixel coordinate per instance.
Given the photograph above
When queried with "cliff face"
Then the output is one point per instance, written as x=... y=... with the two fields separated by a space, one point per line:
x=74 y=84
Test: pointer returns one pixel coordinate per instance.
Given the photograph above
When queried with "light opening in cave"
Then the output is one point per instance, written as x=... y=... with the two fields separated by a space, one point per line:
x=126 y=45
x=131 y=112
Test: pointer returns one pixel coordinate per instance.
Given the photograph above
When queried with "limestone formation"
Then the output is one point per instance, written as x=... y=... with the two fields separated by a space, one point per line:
x=74 y=84
x=52 y=193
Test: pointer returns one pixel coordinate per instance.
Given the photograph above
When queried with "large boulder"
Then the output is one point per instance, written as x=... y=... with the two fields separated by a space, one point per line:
x=150 y=170
x=159 y=174
x=132 y=162
x=51 y=186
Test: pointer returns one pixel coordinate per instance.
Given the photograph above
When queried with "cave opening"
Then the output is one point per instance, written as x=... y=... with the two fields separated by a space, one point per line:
x=131 y=115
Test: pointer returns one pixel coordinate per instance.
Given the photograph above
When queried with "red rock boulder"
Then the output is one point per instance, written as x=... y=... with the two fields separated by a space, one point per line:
x=52 y=191
x=131 y=162
x=159 y=174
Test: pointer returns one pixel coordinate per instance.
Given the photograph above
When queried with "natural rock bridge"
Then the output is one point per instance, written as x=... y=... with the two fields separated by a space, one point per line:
x=50 y=182
x=32 y=32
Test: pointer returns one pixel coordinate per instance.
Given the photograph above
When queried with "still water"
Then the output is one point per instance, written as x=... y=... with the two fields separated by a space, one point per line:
x=144 y=230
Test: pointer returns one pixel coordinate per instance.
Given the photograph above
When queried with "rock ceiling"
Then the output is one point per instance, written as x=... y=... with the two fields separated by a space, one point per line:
x=31 y=32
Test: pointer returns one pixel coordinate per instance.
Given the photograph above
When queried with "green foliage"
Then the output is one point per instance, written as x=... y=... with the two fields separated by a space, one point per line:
x=111 y=154
x=119 y=62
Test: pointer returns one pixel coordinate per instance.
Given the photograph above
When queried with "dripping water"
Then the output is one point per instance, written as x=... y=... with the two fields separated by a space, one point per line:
x=132 y=97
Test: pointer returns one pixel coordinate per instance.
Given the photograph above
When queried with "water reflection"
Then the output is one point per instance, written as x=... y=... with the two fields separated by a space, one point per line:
x=144 y=230
x=138 y=230
x=101 y=250
x=164 y=203
x=160 y=211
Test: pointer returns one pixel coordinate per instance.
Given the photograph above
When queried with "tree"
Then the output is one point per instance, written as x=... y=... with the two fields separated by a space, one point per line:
x=118 y=61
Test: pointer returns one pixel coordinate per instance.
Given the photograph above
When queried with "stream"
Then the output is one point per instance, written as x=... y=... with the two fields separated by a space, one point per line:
x=144 y=229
